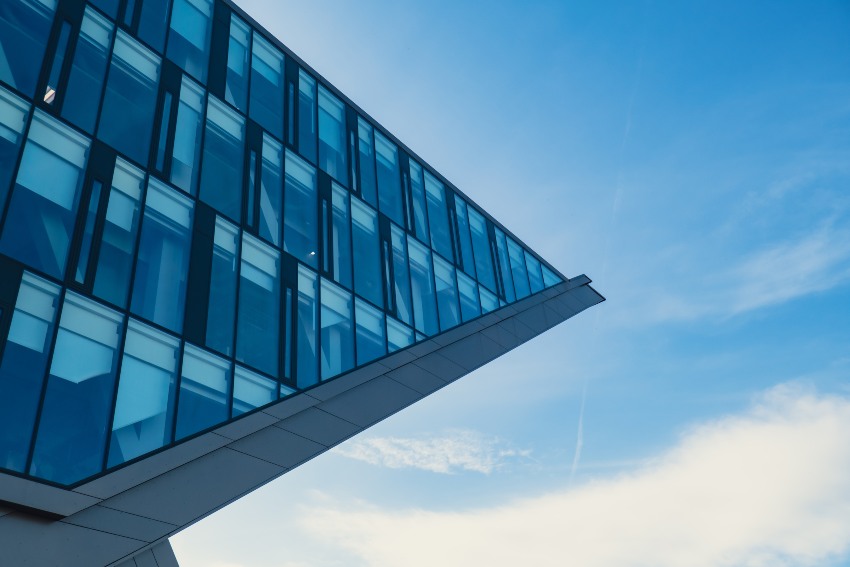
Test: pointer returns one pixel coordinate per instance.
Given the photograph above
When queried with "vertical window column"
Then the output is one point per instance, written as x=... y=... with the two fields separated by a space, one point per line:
x=389 y=179
x=266 y=105
x=204 y=397
x=367 y=252
x=307 y=356
x=447 y=303
x=187 y=137
x=332 y=145
x=13 y=119
x=224 y=146
x=88 y=71
x=337 y=336
x=24 y=29
x=251 y=390
x=221 y=315
x=438 y=216
x=466 y=260
x=236 y=82
x=371 y=333
x=482 y=250
x=300 y=231
x=422 y=287
x=341 y=236
x=271 y=191
x=258 y=327
x=308 y=129
x=189 y=38
x=401 y=275
x=366 y=153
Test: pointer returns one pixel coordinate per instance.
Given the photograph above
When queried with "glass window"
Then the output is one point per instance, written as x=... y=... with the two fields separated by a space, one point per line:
x=341 y=236
x=74 y=420
x=129 y=104
x=115 y=262
x=367 y=252
x=332 y=152
x=88 y=232
x=266 y=106
x=236 y=84
x=13 y=118
x=61 y=49
x=535 y=276
x=517 y=259
x=447 y=305
x=371 y=340
x=307 y=127
x=162 y=266
x=258 y=330
x=271 y=190
x=187 y=136
x=251 y=390
x=221 y=175
x=46 y=195
x=337 y=330
x=489 y=301
x=153 y=22
x=189 y=40
x=204 y=389
x=24 y=29
x=401 y=275
x=466 y=260
x=222 y=306
x=23 y=367
x=482 y=249
x=144 y=410
x=108 y=6
x=550 y=278
x=366 y=145
x=470 y=308
x=422 y=288
x=389 y=179
x=300 y=214
x=438 y=215
x=399 y=335
x=88 y=71
x=505 y=267
x=307 y=371
x=417 y=193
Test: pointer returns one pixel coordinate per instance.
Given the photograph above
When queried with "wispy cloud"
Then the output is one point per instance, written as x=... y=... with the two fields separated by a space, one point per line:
x=457 y=450
x=765 y=488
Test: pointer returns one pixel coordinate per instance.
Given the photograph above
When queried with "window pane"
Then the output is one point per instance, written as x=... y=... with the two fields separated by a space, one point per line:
x=266 y=106
x=300 y=232
x=422 y=288
x=251 y=390
x=258 y=332
x=153 y=22
x=307 y=372
x=204 y=388
x=470 y=308
x=550 y=278
x=389 y=179
x=332 y=153
x=88 y=232
x=535 y=276
x=221 y=178
x=115 y=262
x=337 y=331
x=367 y=252
x=52 y=88
x=222 y=307
x=82 y=96
x=341 y=234
x=505 y=266
x=307 y=128
x=24 y=29
x=438 y=215
x=129 y=104
x=371 y=342
x=399 y=335
x=23 y=367
x=444 y=278
x=45 y=198
x=482 y=249
x=489 y=301
x=189 y=40
x=401 y=276
x=368 y=182
x=271 y=190
x=108 y=6
x=466 y=260
x=187 y=137
x=236 y=84
x=517 y=259
x=417 y=192
x=75 y=417
x=13 y=118
x=144 y=410
x=159 y=288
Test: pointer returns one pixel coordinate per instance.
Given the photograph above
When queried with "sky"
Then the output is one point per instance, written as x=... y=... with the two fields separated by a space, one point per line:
x=693 y=159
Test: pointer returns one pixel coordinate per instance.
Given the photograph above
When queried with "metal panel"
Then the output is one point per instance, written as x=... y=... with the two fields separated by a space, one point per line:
x=372 y=401
x=320 y=426
x=275 y=445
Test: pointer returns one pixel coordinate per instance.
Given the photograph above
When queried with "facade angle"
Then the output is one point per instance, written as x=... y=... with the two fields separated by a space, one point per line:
x=213 y=267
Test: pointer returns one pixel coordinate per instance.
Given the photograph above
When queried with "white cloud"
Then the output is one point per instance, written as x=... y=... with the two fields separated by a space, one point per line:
x=457 y=450
x=766 y=488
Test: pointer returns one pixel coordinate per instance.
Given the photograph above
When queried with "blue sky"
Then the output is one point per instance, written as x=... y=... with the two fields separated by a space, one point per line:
x=692 y=158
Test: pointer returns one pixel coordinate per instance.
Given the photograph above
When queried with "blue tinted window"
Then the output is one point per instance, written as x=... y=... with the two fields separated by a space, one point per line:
x=129 y=104
x=236 y=84
x=189 y=39
x=271 y=190
x=85 y=83
x=153 y=22
x=251 y=390
x=266 y=106
x=505 y=266
x=74 y=421
x=535 y=276
x=108 y=6
x=550 y=278
x=489 y=301
x=221 y=177
x=52 y=87
x=420 y=208
x=144 y=410
x=464 y=239
x=300 y=232
x=23 y=367
x=399 y=335
x=438 y=216
x=389 y=179
x=88 y=232
x=46 y=195
x=447 y=304
x=204 y=391
x=24 y=28
x=341 y=236
x=258 y=331
x=162 y=266
x=332 y=150
x=13 y=117
x=517 y=260
x=187 y=137
x=422 y=287
x=482 y=249
x=115 y=262
x=222 y=306
x=470 y=307
x=401 y=276
x=337 y=338
x=308 y=129
x=366 y=145
x=367 y=252
x=307 y=368
x=371 y=339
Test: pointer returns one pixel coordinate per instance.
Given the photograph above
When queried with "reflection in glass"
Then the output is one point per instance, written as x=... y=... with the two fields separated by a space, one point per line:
x=187 y=136
x=300 y=232
x=52 y=88
x=236 y=84
x=189 y=40
x=482 y=249
x=341 y=236
x=401 y=275
x=258 y=326
x=505 y=266
x=266 y=106
x=422 y=287
x=307 y=127
x=221 y=175
x=371 y=341
x=332 y=148
x=46 y=195
x=23 y=367
x=470 y=308
x=153 y=22
x=88 y=71
x=222 y=306
x=550 y=278
x=366 y=145
x=438 y=215
x=204 y=390
x=24 y=29
x=367 y=252
x=447 y=304
x=399 y=335
x=463 y=236
x=251 y=390
x=535 y=276
x=417 y=194
x=74 y=419
x=13 y=117
x=389 y=179
x=144 y=409
x=337 y=330
x=88 y=232
x=489 y=301
x=517 y=259
x=271 y=190
x=307 y=370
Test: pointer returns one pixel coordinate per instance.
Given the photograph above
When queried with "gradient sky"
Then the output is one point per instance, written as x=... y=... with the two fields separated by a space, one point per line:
x=693 y=159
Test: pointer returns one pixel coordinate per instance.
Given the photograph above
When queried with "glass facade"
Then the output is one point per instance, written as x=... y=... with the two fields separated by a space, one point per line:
x=194 y=225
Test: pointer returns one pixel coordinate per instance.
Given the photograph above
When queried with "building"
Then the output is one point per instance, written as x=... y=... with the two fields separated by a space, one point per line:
x=213 y=267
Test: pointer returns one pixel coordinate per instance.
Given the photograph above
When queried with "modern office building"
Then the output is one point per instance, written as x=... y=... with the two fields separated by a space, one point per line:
x=213 y=267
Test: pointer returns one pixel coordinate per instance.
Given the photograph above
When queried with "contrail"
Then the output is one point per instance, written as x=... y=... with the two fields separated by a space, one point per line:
x=580 y=434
